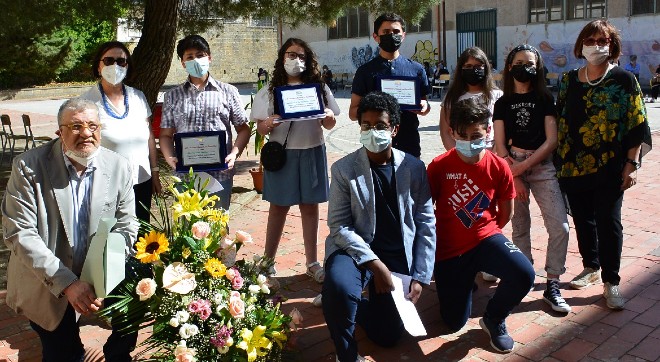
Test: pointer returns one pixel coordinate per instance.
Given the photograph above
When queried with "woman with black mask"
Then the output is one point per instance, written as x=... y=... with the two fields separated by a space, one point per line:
x=472 y=78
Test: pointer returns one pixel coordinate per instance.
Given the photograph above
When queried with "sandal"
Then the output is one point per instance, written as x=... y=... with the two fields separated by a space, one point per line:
x=318 y=275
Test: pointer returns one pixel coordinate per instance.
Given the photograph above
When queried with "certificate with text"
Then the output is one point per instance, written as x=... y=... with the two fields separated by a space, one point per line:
x=404 y=89
x=203 y=151
x=300 y=102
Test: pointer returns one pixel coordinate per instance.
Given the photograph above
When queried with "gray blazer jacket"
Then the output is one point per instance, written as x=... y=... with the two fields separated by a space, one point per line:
x=37 y=224
x=352 y=211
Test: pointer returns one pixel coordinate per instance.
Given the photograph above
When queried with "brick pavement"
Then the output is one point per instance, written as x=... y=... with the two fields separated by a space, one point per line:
x=590 y=332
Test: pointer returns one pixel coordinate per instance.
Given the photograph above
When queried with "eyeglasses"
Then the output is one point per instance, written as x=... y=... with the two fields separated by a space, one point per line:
x=108 y=61
x=294 y=55
x=365 y=127
x=592 y=41
x=76 y=128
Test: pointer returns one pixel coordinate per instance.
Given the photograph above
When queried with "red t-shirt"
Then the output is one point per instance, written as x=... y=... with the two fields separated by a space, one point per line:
x=465 y=197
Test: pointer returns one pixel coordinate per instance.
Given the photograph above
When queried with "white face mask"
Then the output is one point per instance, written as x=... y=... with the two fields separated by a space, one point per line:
x=294 y=67
x=114 y=74
x=198 y=67
x=376 y=141
x=595 y=54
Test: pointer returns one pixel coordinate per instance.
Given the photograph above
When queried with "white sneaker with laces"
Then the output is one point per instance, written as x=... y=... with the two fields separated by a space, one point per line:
x=585 y=279
x=613 y=296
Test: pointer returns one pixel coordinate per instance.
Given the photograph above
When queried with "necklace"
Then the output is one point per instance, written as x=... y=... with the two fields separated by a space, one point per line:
x=586 y=75
x=107 y=107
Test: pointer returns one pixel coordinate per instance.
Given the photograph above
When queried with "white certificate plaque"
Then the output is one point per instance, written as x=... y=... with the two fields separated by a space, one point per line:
x=300 y=102
x=201 y=150
x=404 y=89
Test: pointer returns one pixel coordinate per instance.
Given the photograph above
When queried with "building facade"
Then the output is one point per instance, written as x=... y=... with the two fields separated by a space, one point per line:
x=496 y=26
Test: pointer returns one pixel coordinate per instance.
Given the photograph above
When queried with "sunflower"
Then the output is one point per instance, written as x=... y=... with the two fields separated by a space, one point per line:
x=151 y=246
x=215 y=268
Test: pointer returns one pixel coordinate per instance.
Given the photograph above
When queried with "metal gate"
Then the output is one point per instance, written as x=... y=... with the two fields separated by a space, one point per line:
x=478 y=28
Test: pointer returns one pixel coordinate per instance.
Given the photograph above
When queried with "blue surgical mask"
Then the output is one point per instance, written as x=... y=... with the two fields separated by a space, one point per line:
x=376 y=141
x=197 y=67
x=471 y=148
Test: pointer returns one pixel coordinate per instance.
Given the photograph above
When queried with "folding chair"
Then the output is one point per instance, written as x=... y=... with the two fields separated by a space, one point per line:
x=10 y=138
x=443 y=83
x=27 y=126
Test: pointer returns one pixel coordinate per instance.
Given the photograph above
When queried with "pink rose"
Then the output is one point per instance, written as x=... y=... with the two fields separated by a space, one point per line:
x=183 y=353
x=231 y=273
x=243 y=237
x=145 y=288
x=201 y=307
x=200 y=230
x=237 y=282
x=236 y=305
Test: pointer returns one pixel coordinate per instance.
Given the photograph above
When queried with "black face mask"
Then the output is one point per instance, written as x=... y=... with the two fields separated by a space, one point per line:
x=473 y=76
x=390 y=42
x=523 y=73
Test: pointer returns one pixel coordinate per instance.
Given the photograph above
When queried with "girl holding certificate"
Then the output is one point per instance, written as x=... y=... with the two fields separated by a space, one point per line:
x=303 y=180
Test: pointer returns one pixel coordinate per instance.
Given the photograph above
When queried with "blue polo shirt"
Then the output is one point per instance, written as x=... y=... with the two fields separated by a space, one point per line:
x=407 y=140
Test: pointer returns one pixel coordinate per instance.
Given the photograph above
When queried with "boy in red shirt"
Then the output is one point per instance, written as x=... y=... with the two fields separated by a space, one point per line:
x=473 y=192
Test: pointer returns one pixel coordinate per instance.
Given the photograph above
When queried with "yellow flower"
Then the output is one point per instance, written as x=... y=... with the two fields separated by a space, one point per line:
x=185 y=253
x=190 y=203
x=254 y=343
x=151 y=246
x=215 y=268
x=279 y=338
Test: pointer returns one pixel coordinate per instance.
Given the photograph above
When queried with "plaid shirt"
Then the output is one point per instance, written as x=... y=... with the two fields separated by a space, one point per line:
x=212 y=109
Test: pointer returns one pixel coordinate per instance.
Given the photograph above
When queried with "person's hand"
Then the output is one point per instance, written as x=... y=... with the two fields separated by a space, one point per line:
x=629 y=176
x=415 y=291
x=156 y=186
x=329 y=120
x=382 y=277
x=425 y=108
x=521 y=191
x=517 y=168
x=230 y=160
x=272 y=122
x=171 y=161
x=82 y=298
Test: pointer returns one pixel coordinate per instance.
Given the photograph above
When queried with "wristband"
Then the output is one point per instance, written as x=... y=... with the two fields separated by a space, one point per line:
x=633 y=162
x=155 y=169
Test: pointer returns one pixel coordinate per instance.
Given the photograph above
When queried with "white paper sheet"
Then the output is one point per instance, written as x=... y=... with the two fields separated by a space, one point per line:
x=104 y=264
x=213 y=186
x=407 y=311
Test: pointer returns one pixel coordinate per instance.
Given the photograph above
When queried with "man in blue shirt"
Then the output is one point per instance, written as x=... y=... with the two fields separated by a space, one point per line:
x=633 y=67
x=389 y=34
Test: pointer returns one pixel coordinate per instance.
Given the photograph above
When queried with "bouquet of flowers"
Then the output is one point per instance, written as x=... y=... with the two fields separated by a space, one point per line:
x=202 y=303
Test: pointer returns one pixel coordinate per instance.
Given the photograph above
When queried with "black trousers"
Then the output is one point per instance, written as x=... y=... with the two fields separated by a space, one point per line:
x=597 y=217
x=143 y=192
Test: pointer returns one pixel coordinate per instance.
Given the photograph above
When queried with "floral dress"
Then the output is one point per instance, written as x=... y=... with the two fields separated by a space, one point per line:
x=597 y=126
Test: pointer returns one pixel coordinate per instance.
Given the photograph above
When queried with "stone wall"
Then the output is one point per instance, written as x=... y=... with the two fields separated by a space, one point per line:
x=237 y=52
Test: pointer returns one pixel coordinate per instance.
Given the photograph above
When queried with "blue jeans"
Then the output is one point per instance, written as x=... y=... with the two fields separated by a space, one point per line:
x=343 y=306
x=495 y=255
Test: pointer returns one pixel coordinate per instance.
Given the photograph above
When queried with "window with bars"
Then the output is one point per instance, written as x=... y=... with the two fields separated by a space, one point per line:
x=541 y=11
x=354 y=24
x=638 y=7
x=267 y=22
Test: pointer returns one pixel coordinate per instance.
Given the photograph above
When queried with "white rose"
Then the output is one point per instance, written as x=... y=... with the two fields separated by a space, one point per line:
x=146 y=288
x=229 y=342
x=217 y=298
x=264 y=289
x=254 y=289
x=261 y=279
x=182 y=316
x=188 y=330
x=174 y=322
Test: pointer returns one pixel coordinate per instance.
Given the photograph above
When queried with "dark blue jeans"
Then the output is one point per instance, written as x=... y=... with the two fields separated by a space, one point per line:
x=495 y=255
x=343 y=306
x=597 y=217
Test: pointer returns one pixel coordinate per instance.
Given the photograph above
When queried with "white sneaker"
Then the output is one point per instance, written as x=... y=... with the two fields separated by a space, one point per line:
x=587 y=278
x=613 y=296
x=488 y=277
x=359 y=359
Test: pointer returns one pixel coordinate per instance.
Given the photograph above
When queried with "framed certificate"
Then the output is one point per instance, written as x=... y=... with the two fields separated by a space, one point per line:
x=300 y=102
x=203 y=151
x=404 y=89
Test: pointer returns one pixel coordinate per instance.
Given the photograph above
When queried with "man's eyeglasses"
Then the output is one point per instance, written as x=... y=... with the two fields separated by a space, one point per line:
x=294 y=55
x=76 y=128
x=108 y=61
x=601 y=42
x=366 y=127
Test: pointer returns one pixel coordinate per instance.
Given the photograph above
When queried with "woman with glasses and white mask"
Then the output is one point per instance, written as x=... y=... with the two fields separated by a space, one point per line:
x=603 y=132
x=303 y=180
x=125 y=121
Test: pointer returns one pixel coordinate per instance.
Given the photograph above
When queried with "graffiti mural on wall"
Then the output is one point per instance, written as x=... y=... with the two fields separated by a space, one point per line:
x=362 y=55
x=425 y=52
x=558 y=56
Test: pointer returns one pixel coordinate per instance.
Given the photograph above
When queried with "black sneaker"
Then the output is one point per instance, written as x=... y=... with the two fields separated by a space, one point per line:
x=499 y=338
x=553 y=297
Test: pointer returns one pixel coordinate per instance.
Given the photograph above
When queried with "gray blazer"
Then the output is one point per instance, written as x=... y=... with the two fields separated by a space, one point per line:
x=352 y=211
x=37 y=224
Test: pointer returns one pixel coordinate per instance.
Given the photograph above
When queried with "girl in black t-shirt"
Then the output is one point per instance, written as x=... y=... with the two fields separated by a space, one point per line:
x=526 y=136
